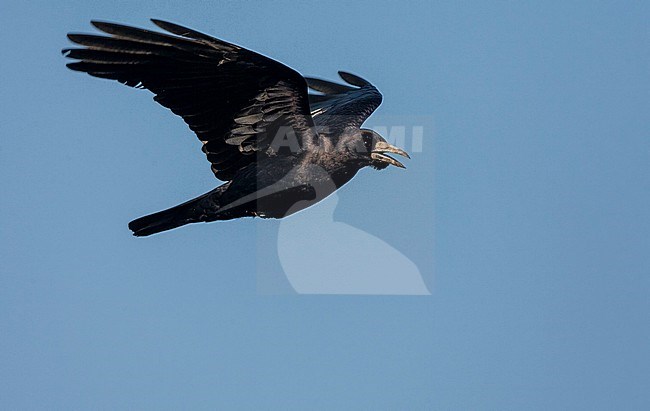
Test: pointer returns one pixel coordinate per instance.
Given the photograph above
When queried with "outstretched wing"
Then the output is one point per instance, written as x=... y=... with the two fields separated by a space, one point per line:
x=340 y=106
x=235 y=100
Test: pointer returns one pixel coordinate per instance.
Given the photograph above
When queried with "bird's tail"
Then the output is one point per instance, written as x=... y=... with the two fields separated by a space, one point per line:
x=189 y=212
x=160 y=221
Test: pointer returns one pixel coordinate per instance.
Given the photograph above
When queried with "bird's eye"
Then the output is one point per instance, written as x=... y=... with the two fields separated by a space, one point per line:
x=367 y=141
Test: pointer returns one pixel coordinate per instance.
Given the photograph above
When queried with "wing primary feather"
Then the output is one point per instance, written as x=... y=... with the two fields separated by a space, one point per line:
x=151 y=37
x=128 y=46
x=326 y=87
x=354 y=80
x=187 y=32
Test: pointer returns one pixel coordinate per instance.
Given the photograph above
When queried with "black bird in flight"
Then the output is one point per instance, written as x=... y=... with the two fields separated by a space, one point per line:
x=278 y=147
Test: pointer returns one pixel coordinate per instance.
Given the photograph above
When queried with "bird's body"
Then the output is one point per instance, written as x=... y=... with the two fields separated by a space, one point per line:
x=278 y=148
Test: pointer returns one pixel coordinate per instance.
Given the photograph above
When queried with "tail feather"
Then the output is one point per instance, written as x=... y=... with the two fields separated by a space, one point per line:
x=189 y=212
x=160 y=221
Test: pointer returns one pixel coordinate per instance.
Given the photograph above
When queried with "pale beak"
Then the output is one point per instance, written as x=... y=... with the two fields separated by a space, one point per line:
x=383 y=147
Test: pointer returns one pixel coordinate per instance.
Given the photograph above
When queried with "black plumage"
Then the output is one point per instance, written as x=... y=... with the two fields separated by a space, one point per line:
x=278 y=147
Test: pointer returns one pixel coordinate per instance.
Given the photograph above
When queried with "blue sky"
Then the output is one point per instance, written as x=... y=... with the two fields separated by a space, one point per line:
x=526 y=212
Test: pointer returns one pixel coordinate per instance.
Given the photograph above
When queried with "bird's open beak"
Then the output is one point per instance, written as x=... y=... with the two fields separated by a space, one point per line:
x=382 y=147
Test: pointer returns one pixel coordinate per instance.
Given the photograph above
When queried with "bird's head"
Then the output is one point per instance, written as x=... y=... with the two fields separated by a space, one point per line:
x=373 y=149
